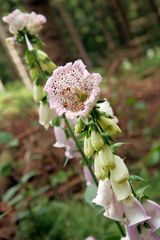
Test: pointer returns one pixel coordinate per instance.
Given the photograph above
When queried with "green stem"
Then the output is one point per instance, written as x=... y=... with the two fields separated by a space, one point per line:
x=120 y=228
x=80 y=149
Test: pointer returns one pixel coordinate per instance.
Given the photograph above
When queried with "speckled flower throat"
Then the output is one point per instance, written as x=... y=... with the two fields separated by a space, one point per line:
x=71 y=89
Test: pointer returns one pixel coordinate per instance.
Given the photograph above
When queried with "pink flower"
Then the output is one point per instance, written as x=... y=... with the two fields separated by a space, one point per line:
x=67 y=143
x=153 y=210
x=106 y=198
x=73 y=90
x=88 y=176
x=134 y=211
x=144 y=234
x=18 y=20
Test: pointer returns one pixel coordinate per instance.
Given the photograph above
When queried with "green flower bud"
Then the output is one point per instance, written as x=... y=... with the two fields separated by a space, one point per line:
x=120 y=173
x=37 y=93
x=48 y=67
x=34 y=73
x=99 y=171
x=96 y=140
x=106 y=157
x=80 y=125
x=109 y=125
x=88 y=148
x=42 y=56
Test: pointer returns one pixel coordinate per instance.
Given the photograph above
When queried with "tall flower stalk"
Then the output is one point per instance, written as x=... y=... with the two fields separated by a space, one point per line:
x=68 y=98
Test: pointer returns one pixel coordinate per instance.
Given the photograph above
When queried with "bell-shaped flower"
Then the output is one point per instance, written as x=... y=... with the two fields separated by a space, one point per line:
x=96 y=140
x=121 y=190
x=107 y=109
x=153 y=210
x=106 y=158
x=99 y=171
x=67 y=143
x=114 y=210
x=144 y=233
x=134 y=211
x=37 y=93
x=104 y=193
x=120 y=172
x=45 y=115
x=88 y=148
x=73 y=90
x=88 y=177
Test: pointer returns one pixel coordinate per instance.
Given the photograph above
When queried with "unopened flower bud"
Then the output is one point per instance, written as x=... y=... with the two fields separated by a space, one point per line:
x=80 y=125
x=109 y=125
x=42 y=56
x=99 y=171
x=34 y=73
x=47 y=66
x=88 y=148
x=45 y=115
x=120 y=173
x=106 y=157
x=37 y=92
x=96 y=140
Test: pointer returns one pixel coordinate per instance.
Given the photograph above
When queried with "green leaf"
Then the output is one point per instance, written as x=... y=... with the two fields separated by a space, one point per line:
x=90 y=193
x=141 y=192
x=134 y=178
x=27 y=176
x=5 y=137
x=5 y=168
x=11 y=192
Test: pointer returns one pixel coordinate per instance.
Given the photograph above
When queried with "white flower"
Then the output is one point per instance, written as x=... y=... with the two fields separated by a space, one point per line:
x=106 y=108
x=18 y=21
x=121 y=190
x=37 y=93
x=120 y=172
x=45 y=114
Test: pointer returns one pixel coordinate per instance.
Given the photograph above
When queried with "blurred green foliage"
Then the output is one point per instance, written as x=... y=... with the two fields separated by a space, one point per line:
x=16 y=100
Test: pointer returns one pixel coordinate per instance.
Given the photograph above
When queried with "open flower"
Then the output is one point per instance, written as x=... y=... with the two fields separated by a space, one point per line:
x=134 y=211
x=67 y=143
x=153 y=210
x=132 y=233
x=73 y=90
x=18 y=21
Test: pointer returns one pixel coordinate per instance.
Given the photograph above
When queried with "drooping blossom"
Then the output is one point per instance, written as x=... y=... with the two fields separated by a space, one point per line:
x=106 y=198
x=45 y=115
x=134 y=211
x=18 y=21
x=72 y=90
x=106 y=108
x=88 y=176
x=153 y=210
x=67 y=143
x=144 y=233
